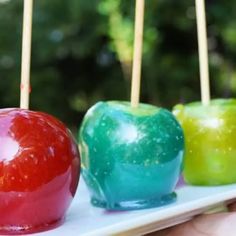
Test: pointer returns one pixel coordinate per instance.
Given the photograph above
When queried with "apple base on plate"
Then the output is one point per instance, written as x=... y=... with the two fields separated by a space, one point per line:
x=29 y=229
x=137 y=205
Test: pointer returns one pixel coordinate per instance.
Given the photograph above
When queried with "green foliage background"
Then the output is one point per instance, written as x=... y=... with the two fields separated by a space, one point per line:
x=82 y=53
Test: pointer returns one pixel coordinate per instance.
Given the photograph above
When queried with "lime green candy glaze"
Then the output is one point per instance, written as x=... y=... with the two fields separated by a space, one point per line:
x=210 y=155
x=131 y=157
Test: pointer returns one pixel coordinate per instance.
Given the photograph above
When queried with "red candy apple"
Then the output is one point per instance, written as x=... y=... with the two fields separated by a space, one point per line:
x=39 y=171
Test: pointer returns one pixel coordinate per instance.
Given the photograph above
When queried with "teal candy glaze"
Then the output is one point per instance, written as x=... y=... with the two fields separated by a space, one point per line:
x=131 y=157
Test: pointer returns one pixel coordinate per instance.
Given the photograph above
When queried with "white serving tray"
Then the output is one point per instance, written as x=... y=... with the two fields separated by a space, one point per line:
x=86 y=220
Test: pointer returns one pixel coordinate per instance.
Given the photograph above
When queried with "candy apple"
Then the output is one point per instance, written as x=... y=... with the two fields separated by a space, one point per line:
x=131 y=157
x=39 y=171
x=210 y=157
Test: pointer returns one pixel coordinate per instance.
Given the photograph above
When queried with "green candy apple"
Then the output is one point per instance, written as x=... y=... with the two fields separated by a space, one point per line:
x=210 y=154
x=131 y=157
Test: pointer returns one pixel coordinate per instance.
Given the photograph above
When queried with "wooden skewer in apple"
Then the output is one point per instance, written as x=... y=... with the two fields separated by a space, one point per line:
x=39 y=160
x=26 y=54
x=128 y=147
x=209 y=125
x=137 y=55
x=203 y=51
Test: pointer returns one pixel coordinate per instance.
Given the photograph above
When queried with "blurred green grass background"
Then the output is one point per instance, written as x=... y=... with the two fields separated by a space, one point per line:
x=82 y=53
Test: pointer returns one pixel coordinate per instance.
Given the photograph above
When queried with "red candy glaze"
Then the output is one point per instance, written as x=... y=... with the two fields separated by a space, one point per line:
x=39 y=171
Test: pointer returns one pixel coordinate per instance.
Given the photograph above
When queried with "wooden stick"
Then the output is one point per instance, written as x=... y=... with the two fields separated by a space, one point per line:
x=203 y=51
x=137 y=57
x=26 y=54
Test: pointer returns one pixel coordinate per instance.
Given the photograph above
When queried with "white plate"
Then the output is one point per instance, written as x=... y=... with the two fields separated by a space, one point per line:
x=85 y=220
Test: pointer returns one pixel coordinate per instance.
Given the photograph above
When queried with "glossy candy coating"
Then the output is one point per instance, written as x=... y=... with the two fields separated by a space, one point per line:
x=39 y=171
x=210 y=156
x=131 y=157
